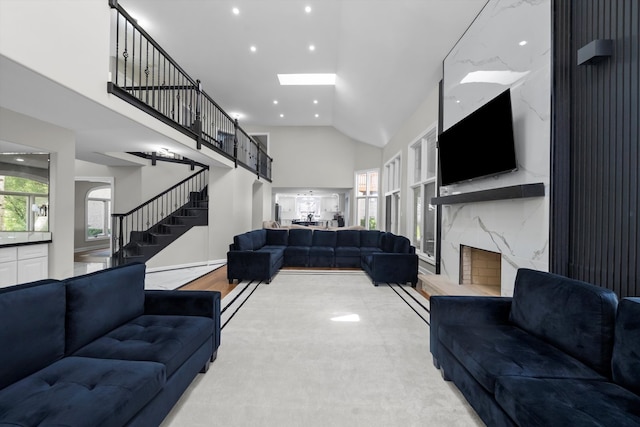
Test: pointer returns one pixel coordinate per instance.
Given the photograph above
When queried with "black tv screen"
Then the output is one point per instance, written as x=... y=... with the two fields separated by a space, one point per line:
x=480 y=144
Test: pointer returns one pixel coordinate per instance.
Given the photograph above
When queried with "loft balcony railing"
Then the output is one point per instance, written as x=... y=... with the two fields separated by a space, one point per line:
x=146 y=76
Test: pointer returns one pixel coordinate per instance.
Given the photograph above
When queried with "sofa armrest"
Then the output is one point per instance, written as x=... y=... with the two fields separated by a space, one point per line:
x=465 y=310
x=182 y=303
x=252 y=265
x=393 y=268
x=186 y=303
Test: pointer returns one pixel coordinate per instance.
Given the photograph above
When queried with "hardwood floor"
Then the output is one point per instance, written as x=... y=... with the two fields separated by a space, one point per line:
x=217 y=281
x=214 y=281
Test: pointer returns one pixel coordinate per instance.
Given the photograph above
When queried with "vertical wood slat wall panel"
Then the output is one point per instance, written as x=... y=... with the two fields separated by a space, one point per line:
x=595 y=156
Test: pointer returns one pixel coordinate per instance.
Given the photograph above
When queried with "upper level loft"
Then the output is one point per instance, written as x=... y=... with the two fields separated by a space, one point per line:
x=146 y=76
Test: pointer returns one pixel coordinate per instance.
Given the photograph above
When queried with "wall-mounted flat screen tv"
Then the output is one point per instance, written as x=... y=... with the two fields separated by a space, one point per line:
x=480 y=144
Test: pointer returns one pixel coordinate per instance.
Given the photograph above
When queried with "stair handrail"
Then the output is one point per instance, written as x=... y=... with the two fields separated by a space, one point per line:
x=161 y=194
x=119 y=235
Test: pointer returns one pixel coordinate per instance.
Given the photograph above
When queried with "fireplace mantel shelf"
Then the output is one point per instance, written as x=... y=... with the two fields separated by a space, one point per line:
x=521 y=191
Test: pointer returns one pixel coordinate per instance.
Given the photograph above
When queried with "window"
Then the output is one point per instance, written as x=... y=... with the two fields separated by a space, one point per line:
x=423 y=183
x=367 y=199
x=392 y=194
x=98 y=213
x=24 y=204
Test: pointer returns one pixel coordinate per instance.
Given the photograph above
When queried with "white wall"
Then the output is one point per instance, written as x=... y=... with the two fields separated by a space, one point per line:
x=518 y=229
x=317 y=156
x=20 y=129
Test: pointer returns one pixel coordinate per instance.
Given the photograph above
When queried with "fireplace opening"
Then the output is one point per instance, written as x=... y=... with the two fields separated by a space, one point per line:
x=479 y=267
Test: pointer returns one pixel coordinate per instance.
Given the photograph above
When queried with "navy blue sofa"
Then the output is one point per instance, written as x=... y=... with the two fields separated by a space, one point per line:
x=559 y=353
x=260 y=254
x=99 y=350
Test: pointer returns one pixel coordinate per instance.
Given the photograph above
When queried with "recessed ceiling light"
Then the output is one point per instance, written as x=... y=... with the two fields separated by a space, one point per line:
x=236 y=115
x=315 y=101
x=316 y=79
x=312 y=47
x=281 y=115
x=235 y=11
x=275 y=102
x=307 y=9
x=253 y=48
x=19 y=159
x=317 y=115
x=522 y=43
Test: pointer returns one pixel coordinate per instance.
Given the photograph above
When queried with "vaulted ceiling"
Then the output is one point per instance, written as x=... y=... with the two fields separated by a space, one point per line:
x=387 y=55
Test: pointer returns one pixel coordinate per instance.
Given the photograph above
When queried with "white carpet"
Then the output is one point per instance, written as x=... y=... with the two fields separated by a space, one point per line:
x=323 y=350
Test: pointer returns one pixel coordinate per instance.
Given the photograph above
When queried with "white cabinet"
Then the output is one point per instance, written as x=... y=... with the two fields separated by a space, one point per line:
x=21 y=264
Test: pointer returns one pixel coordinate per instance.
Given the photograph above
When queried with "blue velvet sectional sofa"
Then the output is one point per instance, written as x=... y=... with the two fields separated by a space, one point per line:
x=559 y=353
x=259 y=254
x=99 y=350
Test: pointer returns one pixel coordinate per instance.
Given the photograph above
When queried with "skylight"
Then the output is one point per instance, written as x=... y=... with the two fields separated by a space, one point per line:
x=318 y=79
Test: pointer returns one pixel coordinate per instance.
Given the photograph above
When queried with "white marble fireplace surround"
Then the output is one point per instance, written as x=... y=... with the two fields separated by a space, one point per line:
x=510 y=43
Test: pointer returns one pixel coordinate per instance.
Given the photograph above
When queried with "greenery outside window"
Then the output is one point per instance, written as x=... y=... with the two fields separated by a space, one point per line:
x=98 y=208
x=24 y=204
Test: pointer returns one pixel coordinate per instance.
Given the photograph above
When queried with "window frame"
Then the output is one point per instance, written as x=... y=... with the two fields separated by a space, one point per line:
x=107 y=203
x=367 y=197
x=424 y=146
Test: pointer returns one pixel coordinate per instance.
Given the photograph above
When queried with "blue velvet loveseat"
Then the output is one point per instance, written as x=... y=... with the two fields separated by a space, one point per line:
x=559 y=353
x=260 y=254
x=99 y=350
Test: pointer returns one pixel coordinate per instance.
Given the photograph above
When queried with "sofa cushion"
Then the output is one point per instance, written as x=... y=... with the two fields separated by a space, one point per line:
x=348 y=238
x=626 y=348
x=387 y=241
x=347 y=251
x=300 y=237
x=33 y=328
x=321 y=256
x=169 y=340
x=259 y=238
x=489 y=352
x=324 y=238
x=102 y=301
x=77 y=391
x=296 y=256
x=575 y=316
x=370 y=238
x=278 y=237
x=567 y=402
x=401 y=245
x=243 y=242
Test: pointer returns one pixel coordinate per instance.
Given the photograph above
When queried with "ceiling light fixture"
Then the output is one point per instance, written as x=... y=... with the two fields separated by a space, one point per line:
x=317 y=115
x=315 y=101
x=307 y=9
x=281 y=115
x=19 y=159
x=275 y=102
x=312 y=47
x=235 y=11
x=253 y=49
x=522 y=43
x=317 y=79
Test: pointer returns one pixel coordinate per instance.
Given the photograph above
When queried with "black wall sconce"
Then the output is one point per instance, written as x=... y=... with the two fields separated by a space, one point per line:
x=595 y=51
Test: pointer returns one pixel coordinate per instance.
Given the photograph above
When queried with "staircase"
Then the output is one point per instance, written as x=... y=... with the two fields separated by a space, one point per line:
x=143 y=232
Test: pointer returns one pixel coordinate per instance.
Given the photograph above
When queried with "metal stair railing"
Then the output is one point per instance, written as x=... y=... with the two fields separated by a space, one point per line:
x=142 y=218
